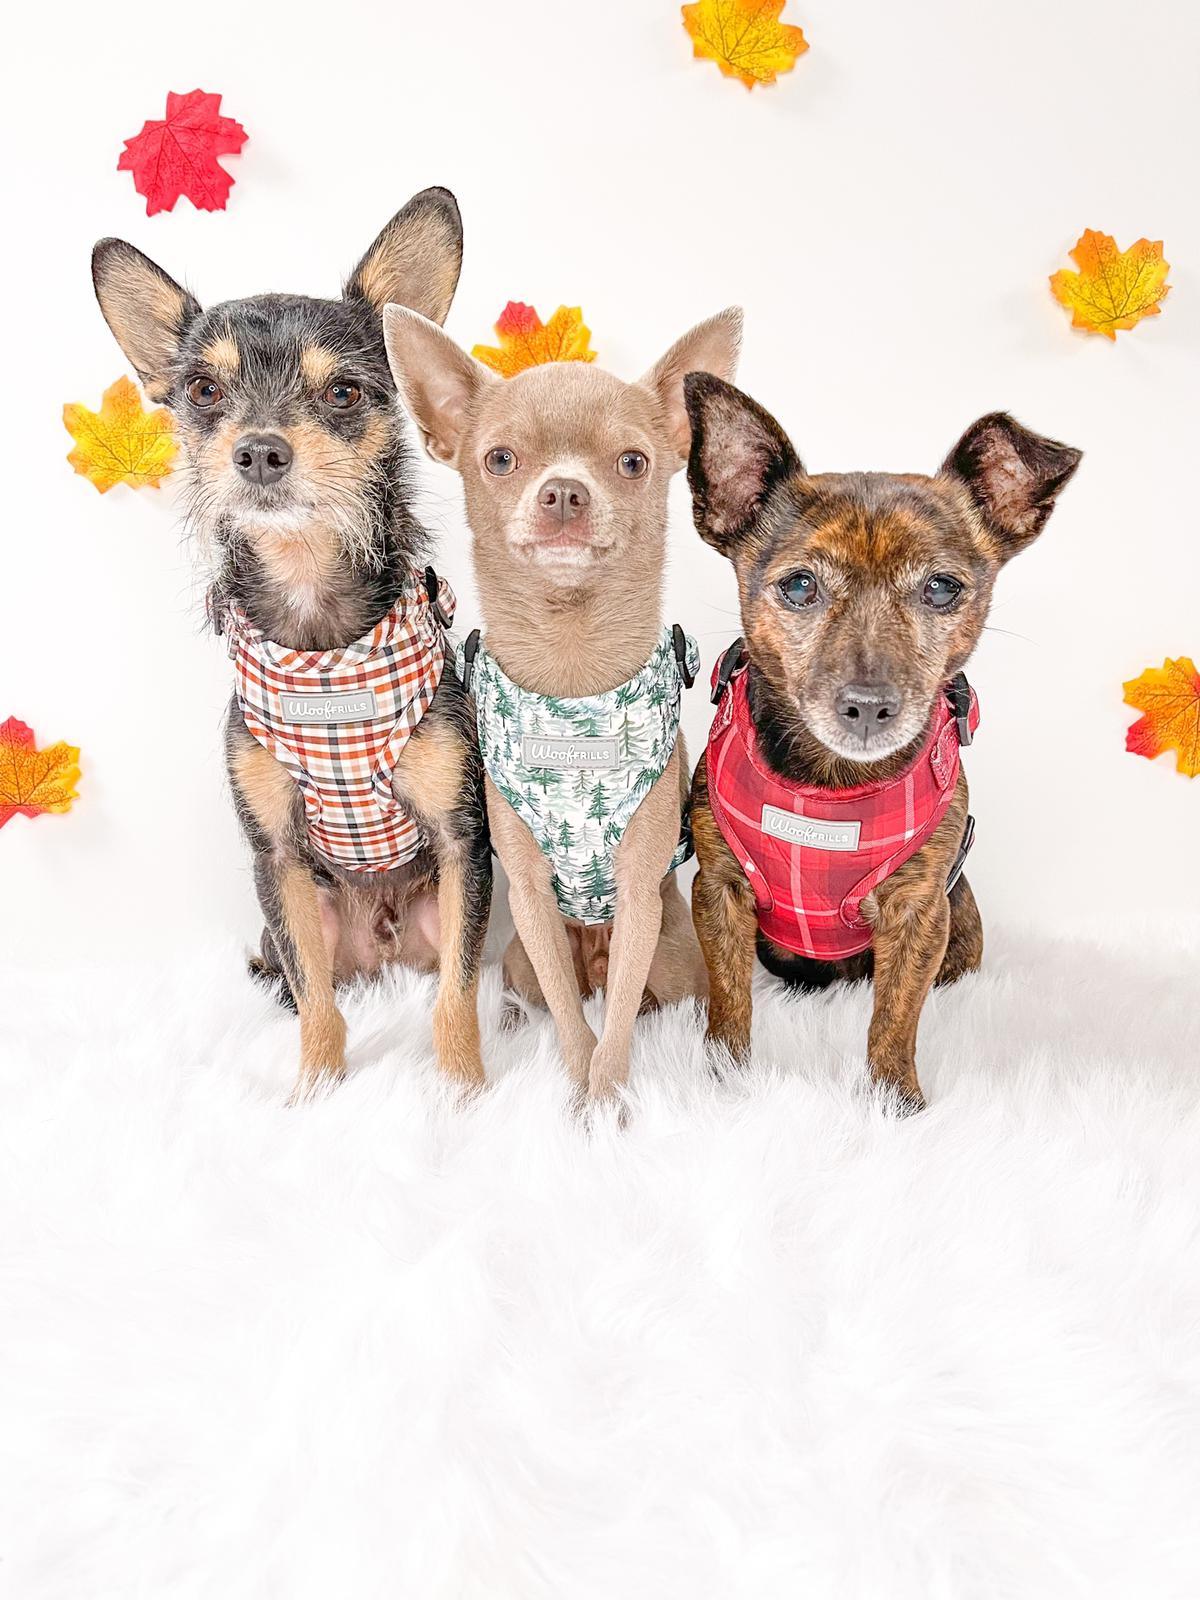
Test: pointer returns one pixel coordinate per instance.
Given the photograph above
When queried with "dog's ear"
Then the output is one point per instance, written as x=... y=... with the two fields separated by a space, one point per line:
x=438 y=382
x=416 y=260
x=710 y=346
x=147 y=311
x=739 y=453
x=1012 y=475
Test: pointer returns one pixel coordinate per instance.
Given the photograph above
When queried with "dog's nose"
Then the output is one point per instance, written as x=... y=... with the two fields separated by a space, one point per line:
x=262 y=458
x=866 y=708
x=564 y=498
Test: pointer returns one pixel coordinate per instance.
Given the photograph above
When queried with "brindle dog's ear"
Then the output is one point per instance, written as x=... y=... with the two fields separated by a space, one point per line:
x=739 y=453
x=147 y=311
x=1012 y=475
x=416 y=260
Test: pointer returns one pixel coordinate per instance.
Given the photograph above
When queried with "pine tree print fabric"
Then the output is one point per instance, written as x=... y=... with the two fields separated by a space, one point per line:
x=575 y=771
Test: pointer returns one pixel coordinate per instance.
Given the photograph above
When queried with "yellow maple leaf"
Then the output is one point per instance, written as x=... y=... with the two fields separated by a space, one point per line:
x=34 y=781
x=744 y=37
x=122 y=442
x=1113 y=288
x=1170 y=697
x=527 y=341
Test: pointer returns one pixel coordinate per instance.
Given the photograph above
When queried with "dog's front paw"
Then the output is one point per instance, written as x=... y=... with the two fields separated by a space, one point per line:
x=314 y=1083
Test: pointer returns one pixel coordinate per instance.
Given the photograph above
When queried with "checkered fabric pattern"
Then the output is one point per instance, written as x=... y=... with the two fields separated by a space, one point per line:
x=338 y=720
x=808 y=880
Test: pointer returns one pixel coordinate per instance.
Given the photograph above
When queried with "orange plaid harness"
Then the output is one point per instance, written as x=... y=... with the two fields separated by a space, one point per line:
x=338 y=720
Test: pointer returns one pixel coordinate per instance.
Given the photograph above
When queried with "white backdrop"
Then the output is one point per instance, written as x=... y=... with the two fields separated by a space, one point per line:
x=887 y=215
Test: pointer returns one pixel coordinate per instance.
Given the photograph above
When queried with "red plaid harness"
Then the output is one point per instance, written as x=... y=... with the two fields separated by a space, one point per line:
x=338 y=720
x=811 y=855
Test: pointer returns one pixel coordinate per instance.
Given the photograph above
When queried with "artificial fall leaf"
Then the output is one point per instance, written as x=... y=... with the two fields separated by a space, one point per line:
x=526 y=341
x=34 y=781
x=744 y=37
x=179 y=155
x=122 y=442
x=1113 y=288
x=1170 y=697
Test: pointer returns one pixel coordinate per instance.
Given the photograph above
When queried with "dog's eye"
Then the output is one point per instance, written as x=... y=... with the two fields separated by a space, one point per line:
x=632 y=464
x=342 y=395
x=500 y=461
x=941 y=591
x=800 y=590
x=204 y=392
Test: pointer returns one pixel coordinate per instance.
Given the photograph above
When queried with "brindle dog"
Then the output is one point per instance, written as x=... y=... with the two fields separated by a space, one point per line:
x=299 y=480
x=857 y=590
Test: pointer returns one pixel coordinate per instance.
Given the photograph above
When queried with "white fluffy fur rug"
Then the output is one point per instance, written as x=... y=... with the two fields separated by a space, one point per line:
x=765 y=1342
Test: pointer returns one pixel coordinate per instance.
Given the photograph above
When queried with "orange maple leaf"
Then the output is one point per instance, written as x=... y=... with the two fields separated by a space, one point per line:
x=34 y=781
x=744 y=37
x=1113 y=288
x=122 y=442
x=1170 y=697
x=527 y=341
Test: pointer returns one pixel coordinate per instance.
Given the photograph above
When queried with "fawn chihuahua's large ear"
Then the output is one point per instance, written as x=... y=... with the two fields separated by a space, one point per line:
x=147 y=311
x=416 y=260
x=710 y=346
x=739 y=453
x=438 y=382
x=1013 y=477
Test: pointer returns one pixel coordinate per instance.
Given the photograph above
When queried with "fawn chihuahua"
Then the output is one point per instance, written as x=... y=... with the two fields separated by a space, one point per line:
x=577 y=683
x=829 y=809
x=351 y=754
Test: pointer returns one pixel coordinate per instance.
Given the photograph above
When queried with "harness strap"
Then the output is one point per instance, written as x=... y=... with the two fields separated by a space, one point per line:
x=679 y=644
x=470 y=651
x=730 y=662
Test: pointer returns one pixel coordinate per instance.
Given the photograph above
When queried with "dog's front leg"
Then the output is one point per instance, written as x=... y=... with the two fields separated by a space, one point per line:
x=726 y=923
x=542 y=931
x=642 y=859
x=464 y=902
x=290 y=901
x=911 y=928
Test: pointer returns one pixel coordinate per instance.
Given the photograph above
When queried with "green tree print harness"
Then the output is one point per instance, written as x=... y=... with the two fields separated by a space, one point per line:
x=575 y=771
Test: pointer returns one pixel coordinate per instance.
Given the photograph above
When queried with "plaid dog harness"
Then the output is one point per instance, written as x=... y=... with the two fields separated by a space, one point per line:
x=338 y=720
x=575 y=771
x=811 y=855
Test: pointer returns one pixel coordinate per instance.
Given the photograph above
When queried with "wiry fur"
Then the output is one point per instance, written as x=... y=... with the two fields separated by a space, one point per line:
x=315 y=559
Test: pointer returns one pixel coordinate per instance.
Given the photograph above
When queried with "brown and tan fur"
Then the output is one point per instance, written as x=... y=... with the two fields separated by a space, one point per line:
x=836 y=577
x=574 y=607
x=316 y=556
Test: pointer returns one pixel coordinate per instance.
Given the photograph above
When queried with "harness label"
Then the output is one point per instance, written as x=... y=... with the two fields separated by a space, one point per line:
x=559 y=752
x=812 y=832
x=357 y=705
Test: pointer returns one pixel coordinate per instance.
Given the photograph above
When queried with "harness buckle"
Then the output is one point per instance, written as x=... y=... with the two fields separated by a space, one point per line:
x=964 y=849
x=679 y=641
x=470 y=650
x=730 y=662
x=431 y=594
x=958 y=692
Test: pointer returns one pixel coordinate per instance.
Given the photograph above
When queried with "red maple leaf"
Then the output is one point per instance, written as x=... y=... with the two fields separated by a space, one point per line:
x=179 y=155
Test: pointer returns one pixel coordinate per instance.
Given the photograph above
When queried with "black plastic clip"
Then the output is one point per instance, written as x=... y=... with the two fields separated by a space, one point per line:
x=470 y=650
x=679 y=640
x=431 y=592
x=958 y=692
x=964 y=850
x=730 y=662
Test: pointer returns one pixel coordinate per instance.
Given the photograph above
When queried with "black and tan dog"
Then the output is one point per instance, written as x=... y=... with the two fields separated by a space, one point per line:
x=300 y=492
x=862 y=597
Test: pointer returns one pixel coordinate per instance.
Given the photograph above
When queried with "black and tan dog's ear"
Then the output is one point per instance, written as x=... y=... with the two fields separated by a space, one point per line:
x=147 y=311
x=1013 y=477
x=438 y=382
x=711 y=346
x=416 y=260
x=739 y=453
